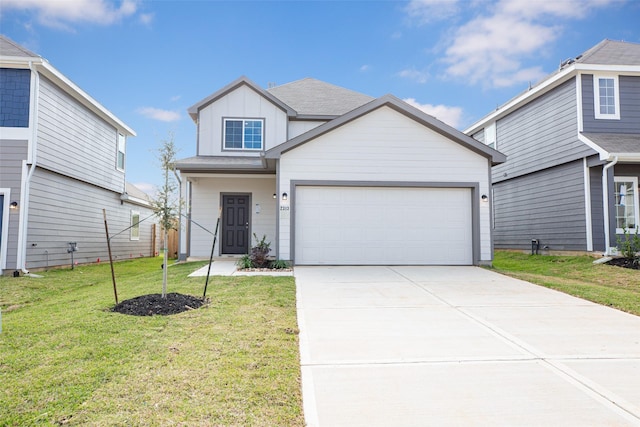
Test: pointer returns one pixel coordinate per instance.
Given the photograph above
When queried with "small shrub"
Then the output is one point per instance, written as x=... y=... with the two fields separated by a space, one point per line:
x=279 y=264
x=260 y=252
x=629 y=245
x=244 y=262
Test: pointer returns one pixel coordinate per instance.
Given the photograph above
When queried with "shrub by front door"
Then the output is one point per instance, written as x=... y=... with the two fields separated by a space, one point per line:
x=235 y=224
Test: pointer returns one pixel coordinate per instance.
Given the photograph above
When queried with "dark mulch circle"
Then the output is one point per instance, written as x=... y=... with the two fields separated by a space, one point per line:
x=625 y=262
x=154 y=304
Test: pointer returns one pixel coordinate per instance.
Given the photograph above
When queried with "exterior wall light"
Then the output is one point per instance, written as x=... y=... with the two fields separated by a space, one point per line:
x=284 y=196
x=485 y=198
x=13 y=205
x=275 y=196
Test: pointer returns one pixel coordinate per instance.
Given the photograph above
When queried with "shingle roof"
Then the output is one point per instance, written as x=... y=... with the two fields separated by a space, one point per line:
x=317 y=98
x=224 y=163
x=10 y=48
x=616 y=142
x=611 y=52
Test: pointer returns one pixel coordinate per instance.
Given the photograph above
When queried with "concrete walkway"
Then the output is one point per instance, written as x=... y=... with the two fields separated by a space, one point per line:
x=229 y=268
x=444 y=346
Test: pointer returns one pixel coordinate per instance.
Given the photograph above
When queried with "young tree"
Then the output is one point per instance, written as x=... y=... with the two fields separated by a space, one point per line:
x=166 y=206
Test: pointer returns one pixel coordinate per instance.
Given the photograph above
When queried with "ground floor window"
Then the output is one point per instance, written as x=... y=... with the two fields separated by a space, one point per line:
x=135 y=225
x=626 y=203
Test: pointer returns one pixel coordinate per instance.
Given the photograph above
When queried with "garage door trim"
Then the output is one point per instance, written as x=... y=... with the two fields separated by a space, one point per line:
x=473 y=186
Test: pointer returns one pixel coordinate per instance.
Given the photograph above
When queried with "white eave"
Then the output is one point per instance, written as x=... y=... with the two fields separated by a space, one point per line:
x=46 y=69
x=555 y=80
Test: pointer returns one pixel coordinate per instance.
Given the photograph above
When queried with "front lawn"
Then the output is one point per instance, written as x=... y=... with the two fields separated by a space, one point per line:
x=66 y=359
x=576 y=275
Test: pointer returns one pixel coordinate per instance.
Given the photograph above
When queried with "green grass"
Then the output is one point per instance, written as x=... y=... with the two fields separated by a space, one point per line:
x=576 y=275
x=66 y=359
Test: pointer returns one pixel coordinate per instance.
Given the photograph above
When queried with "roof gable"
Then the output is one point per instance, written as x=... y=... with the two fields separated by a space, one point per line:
x=241 y=81
x=401 y=107
x=313 y=97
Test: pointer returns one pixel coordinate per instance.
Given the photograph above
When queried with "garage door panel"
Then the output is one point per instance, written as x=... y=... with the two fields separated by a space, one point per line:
x=382 y=225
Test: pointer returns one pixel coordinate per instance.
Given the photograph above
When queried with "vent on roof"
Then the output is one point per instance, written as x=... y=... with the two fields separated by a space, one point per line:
x=271 y=84
x=566 y=62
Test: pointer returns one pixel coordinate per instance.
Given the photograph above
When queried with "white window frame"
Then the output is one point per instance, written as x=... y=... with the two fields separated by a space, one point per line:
x=134 y=233
x=121 y=145
x=490 y=136
x=596 y=97
x=634 y=181
x=243 y=120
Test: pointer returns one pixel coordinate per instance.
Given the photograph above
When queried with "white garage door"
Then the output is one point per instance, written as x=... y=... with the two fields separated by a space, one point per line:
x=383 y=225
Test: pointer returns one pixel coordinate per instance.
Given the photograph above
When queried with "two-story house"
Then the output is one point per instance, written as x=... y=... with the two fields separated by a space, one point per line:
x=573 y=148
x=332 y=176
x=62 y=160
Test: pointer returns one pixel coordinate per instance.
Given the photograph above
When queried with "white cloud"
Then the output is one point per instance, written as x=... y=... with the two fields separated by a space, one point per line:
x=158 y=114
x=146 y=18
x=415 y=75
x=493 y=47
x=450 y=115
x=365 y=68
x=175 y=98
x=60 y=13
x=425 y=11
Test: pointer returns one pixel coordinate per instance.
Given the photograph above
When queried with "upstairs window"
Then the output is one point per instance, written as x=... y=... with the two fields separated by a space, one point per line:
x=243 y=134
x=120 y=153
x=626 y=193
x=606 y=97
x=490 y=135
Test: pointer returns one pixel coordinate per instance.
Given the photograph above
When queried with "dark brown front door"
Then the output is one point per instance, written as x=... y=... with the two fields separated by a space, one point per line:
x=235 y=224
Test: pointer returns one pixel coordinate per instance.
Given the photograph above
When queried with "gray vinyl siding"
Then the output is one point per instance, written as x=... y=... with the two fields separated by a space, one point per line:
x=479 y=136
x=65 y=210
x=12 y=153
x=547 y=205
x=629 y=107
x=74 y=141
x=597 y=215
x=540 y=135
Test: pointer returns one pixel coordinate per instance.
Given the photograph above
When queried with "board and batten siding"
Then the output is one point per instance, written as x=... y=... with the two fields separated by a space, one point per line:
x=547 y=205
x=63 y=210
x=243 y=102
x=12 y=154
x=629 y=89
x=298 y=127
x=597 y=214
x=74 y=141
x=386 y=146
x=540 y=135
x=205 y=205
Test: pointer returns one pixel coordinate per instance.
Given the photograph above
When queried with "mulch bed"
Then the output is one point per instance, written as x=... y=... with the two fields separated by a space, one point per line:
x=154 y=304
x=625 y=262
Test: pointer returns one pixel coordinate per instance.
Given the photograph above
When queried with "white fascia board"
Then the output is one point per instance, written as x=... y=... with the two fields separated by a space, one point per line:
x=625 y=157
x=523 y=99
x=604 y=154
x=80 y=95
x=135 y=200
x=613 y=69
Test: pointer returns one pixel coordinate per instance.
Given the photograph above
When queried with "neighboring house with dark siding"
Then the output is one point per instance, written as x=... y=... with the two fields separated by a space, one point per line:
x=573 y=148
x=61 y=162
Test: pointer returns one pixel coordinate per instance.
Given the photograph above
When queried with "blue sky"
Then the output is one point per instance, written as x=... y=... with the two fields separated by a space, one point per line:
x=148 y=61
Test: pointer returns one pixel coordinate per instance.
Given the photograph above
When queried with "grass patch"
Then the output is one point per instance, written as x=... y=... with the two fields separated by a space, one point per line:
x=66 y=359
x=575 y=275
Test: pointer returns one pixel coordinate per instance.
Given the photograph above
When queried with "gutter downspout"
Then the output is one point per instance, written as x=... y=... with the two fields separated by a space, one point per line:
x=31 y=165
x=605 y=204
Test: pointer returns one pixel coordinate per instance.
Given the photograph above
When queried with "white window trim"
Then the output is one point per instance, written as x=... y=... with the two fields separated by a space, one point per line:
x=131 y=236
x=121 y=137
x=596 y=97
x=633 y=179
x=238 y=119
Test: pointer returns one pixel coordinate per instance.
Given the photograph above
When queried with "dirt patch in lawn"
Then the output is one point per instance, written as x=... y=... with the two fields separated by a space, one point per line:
x=154 y=304
x=625 y=262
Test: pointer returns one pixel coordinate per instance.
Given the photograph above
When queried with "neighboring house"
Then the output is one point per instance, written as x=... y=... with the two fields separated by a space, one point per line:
x=331 y=176
x=573 y=148
x=62 y=160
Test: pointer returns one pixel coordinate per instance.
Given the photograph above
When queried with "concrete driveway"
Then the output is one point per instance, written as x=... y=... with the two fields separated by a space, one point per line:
x=419 y=346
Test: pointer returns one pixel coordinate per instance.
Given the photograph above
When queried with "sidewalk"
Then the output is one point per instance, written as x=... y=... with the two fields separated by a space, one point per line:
x=229 y=268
